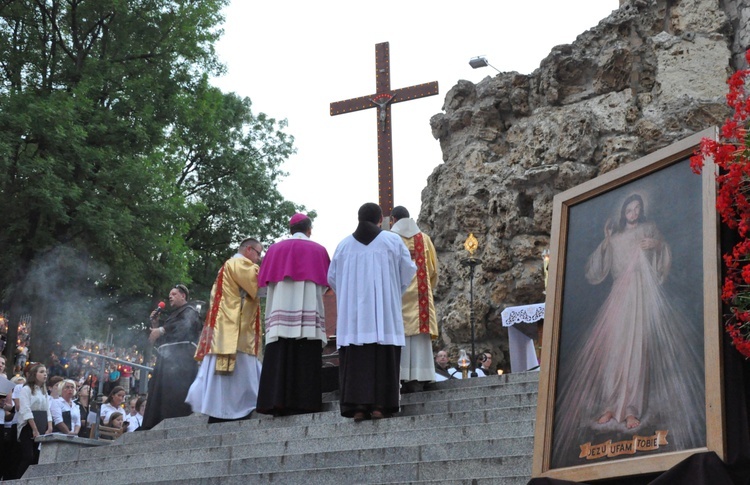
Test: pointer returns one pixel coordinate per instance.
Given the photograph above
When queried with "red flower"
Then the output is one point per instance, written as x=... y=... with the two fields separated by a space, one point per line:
x=731 y=154
x=727 y=293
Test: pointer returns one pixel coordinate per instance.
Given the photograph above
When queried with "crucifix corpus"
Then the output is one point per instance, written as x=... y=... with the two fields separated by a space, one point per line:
x=383 y=98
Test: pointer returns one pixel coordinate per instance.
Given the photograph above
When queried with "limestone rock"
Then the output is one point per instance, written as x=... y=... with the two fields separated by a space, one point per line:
x=651 y=73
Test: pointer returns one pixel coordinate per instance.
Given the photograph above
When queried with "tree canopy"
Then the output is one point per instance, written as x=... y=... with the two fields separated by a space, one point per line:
x=122 y=170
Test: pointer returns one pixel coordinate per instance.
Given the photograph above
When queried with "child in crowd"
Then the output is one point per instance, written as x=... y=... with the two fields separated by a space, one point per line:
x=115 y=421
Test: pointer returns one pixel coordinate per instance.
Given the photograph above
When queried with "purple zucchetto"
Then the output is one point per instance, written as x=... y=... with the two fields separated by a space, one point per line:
x=297 y=218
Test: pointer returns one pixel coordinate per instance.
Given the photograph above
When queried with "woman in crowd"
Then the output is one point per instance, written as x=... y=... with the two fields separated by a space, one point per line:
x=66 y=415
x=134 y=422
x=84 y=397
x=114 y=402
x=8 y=442
x=12 y=451
x=35 y=418
x=137 y=420
x=52 y=390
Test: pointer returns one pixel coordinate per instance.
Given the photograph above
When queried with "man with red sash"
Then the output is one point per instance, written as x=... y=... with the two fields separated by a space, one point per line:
x=226 y=387
x=420 y=321
x=295 y=271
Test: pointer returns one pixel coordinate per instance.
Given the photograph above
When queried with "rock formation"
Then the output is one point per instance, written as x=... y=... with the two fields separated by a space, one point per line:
x=651 y=73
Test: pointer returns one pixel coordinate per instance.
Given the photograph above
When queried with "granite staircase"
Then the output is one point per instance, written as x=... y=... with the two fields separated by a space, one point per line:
x=477 y=431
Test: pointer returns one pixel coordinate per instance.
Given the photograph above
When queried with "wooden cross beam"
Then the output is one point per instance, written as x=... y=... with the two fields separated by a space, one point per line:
x=383 y=98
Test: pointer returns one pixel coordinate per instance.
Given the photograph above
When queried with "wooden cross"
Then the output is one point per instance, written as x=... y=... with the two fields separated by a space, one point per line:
x=383 y=98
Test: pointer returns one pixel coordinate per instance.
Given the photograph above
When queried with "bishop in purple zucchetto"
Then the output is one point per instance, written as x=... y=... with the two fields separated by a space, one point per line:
x=297 y=218
x=295 y=271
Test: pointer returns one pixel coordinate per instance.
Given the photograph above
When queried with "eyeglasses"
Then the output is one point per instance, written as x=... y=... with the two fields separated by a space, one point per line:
x=259 y=253
x=182 y=288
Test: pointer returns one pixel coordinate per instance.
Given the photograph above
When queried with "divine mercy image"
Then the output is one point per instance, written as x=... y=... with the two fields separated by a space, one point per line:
x=631 y=375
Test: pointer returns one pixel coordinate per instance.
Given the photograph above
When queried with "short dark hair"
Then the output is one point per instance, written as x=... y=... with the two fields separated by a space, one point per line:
x=54 y=380
x=248 y=241
x=370 y=212
x=114 y=391
x=183 y=289
x=399 y=212
x=302 y=226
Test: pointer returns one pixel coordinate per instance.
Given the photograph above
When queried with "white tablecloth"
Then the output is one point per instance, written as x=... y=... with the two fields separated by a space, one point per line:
x=522 y=352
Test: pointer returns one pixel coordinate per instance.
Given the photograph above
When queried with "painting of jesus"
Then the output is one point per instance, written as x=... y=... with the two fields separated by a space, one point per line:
x=638 y=342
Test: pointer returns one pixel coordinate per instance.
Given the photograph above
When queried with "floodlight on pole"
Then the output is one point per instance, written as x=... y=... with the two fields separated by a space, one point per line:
x=481 y=61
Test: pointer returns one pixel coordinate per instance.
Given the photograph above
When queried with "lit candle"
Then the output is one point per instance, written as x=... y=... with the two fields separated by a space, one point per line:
x=471 y=244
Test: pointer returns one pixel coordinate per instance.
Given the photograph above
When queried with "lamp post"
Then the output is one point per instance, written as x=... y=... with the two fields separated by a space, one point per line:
x=471 y=244
x=481 y=61
x=108 y=342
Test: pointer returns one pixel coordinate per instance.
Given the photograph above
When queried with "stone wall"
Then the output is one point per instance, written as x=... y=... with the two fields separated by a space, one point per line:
x=651 y=73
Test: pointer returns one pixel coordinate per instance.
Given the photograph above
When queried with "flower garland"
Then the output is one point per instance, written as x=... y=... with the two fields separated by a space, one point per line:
x=732 y=155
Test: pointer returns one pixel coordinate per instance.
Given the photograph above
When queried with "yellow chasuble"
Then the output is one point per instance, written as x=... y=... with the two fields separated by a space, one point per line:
x=233 y=320
x=413 y=317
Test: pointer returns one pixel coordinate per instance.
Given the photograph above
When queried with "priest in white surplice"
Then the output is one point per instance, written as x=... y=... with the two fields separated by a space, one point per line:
x=369 y=272
x=420 y=319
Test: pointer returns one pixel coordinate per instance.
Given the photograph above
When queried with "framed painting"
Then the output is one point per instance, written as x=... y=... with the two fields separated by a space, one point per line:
x=633 y=322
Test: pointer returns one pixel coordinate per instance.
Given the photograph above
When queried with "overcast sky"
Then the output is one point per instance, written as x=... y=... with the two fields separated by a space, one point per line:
x=293 y=58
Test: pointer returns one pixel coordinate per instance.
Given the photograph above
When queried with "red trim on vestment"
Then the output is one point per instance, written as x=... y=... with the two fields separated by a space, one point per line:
x=422 y=287
x=257 y=331
x=207 y=335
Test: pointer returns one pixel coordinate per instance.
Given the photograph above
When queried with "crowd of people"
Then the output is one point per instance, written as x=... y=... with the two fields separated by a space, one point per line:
x=84 y=368
x=39 y=404
x=444 y=370
x=386 y=325
x=22 y=339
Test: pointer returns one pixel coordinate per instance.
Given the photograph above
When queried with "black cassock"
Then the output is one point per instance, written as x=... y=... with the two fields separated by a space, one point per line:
x=175 y=368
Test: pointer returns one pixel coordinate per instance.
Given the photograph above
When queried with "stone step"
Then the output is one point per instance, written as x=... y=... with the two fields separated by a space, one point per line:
x=478 y=428
x=456 y=449
x=529 y=381
x=491 y=401
x=236 y=471
x=512 y=480
x=288 y=427
x=241 y=479
x=347 y=435
x=469 y=392
x=439 y=399
x=495 y=399
x=492 y=397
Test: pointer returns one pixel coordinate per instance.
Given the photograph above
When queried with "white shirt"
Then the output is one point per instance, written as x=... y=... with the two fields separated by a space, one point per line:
x=29 y=402
x=15 y=396
x=369 y=281
x=106 y=410
x=58 y=406
x=135 y=421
